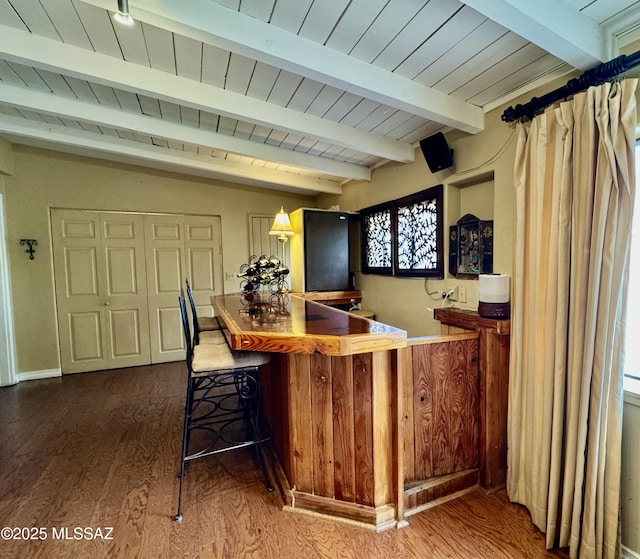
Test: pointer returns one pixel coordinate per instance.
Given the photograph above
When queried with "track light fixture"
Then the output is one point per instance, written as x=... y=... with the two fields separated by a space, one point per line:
x=122 y=15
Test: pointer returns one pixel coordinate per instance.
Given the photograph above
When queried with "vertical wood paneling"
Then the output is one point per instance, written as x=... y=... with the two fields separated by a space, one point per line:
x=363 y=423
x=383 y=427
x=438 y=363
x=343 y=429
x=423 y=397
x=300 y=415
x=494 y=386
x=442 y=435
x=472 y=412
x=322 y=421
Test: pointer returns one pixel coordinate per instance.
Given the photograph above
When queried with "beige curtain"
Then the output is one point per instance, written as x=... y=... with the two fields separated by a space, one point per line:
x=574 y=178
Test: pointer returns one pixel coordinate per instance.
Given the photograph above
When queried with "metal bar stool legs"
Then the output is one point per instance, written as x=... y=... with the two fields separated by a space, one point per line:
x=222 y=403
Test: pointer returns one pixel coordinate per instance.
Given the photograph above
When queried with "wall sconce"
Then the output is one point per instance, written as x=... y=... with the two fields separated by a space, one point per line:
x=282 y=229
x=31 y=243
x=122 y=15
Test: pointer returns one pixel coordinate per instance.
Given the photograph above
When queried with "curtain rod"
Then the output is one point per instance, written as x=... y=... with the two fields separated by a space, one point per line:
x=595 y=76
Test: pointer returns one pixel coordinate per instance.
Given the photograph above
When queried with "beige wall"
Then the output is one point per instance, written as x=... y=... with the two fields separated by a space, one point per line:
x=6 y=158
x=403 y=302
x=45 y=179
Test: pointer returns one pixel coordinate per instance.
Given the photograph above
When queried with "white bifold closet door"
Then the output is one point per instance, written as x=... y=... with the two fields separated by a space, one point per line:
x=118 y=277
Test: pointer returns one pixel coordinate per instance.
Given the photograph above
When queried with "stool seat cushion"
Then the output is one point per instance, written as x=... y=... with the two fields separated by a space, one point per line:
x=208 y=323
x=209 y=358
x=213 y=337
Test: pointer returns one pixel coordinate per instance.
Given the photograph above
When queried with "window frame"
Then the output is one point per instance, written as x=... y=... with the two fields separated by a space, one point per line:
x=364 y=213
x=393 y=207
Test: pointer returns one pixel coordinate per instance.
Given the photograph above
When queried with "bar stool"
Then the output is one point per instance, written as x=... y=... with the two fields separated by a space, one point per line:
x=200 y=323
x=222 y=401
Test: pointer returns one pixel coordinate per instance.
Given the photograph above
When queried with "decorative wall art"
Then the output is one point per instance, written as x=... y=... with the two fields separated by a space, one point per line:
x=471 y=247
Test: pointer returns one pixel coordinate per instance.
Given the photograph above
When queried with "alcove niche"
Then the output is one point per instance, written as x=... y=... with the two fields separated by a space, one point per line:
x=469 y=196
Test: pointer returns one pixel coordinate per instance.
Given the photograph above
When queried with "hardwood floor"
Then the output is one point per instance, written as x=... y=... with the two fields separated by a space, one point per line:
x=100 y=450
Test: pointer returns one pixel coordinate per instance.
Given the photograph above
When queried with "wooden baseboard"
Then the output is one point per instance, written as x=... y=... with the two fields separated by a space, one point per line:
x=377 y=518
x=421 y=495
x=36 y=375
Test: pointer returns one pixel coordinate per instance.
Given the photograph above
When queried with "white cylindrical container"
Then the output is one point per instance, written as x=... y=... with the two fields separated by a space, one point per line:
x=494 y=295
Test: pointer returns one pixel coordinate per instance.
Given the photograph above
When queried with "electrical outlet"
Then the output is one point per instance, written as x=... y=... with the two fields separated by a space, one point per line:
x=462 y=294
x=453 y=293
x=230 y=276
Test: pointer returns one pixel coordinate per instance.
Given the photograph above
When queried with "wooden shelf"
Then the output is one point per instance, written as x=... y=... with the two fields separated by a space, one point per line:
x=471 y=320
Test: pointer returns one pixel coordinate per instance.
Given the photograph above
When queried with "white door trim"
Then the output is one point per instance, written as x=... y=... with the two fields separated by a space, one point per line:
x=7 y=341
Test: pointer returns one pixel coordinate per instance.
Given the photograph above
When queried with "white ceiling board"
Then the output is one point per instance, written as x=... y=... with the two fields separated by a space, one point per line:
x=82 y=90
x=520 y=59
x=387 y=25
x=149 y=106
x=9 y=17
x=106 y=96
x=77 y=62
x=284 y=88
x=189 y=117
x=354 y=23
x=132 y=43
x=604 y=10
x=67 y=23
x=37 y=20
x=426 y=60
x=188 y=57
x=259 y=9
x=29 y=76
x=149 y=126
x=239 y=73
x=160 y=48
x=48 y=136
x=262 y=80
x=304 y=95
x=414 y=38
x=321 y=19
x=209 y=121
x=215 y=62
x=290 y=14
x=57 y=84
x=214 y=24
x=8 y=75
x=482 y=62
x=99 y=27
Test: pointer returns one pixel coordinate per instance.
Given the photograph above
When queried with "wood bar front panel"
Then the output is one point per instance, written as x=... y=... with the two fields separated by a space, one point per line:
x=441 y=431
x=341 y=415
x=494 y=388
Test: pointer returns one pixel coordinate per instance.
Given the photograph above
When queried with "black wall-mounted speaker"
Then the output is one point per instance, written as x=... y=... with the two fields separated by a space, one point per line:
x=437 y=152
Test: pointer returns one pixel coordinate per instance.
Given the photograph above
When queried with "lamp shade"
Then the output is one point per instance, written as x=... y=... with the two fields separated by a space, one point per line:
x=281 y=225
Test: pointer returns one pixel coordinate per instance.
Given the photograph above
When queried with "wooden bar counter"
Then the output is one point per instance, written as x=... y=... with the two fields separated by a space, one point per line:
x=330 y=399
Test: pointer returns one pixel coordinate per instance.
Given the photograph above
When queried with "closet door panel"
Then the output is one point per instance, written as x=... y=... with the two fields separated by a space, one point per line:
x=165 y=256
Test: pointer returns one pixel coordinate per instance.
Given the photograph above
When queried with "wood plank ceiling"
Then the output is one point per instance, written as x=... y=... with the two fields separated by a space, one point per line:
x=299 y=95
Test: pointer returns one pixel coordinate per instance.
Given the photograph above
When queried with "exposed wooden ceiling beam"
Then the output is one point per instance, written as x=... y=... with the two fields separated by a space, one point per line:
x=26 y=48
x=217 y=25
x=554 y=26
x=48 y=103
x=81 y=142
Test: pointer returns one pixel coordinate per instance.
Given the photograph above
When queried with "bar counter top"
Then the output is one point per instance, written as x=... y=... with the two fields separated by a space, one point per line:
x=293 y=323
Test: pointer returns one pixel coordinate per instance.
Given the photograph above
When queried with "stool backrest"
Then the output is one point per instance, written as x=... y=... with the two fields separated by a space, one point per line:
x=185 y=327
x=194 y=314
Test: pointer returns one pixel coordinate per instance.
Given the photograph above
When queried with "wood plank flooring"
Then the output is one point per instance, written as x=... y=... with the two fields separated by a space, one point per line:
x=100 y=450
